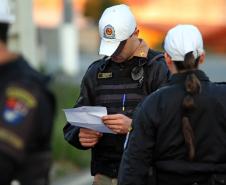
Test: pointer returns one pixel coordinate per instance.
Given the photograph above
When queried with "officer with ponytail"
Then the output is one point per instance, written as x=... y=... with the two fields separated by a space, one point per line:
x=180 y=129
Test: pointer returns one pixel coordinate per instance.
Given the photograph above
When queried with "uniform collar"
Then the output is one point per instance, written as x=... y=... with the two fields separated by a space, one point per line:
x=12 y=63
x=180 y=77
x=142 y=50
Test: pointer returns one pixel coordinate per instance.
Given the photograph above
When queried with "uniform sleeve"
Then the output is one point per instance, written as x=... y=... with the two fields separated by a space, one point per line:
x=85 y=99
x=27 y=116
x=158 y=75
x=46 y=113
x=137 y=157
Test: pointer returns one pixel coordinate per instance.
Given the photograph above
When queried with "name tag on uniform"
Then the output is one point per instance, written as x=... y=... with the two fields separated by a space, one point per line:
x=104 y=75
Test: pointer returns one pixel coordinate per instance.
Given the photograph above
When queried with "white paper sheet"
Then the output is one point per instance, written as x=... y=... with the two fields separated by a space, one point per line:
x=88 y=117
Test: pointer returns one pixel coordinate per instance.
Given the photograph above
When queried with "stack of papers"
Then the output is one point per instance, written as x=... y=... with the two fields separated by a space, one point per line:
x=88 y=117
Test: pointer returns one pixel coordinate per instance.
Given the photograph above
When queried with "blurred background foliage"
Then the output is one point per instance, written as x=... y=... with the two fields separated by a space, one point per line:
x=94 y=8
x=66 y=95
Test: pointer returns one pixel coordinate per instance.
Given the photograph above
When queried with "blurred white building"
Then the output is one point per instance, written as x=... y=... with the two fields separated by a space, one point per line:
x=44 y=32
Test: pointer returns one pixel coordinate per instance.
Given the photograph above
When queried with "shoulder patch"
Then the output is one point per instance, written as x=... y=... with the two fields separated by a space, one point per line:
x=21 y=94
x=18 y=102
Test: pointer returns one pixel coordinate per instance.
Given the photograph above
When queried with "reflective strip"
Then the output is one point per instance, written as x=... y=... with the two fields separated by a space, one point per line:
x=115 y=110
x=118 y=97
x=121 y=86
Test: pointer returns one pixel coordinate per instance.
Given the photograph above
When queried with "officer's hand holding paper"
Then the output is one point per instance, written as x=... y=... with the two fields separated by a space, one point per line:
x=88 y=117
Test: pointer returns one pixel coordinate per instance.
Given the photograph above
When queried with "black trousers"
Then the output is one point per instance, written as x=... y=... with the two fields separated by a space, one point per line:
x=7 y=170
x=34 y=171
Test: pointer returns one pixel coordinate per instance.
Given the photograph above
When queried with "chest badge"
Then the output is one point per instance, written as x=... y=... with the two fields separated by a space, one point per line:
x=104 y=75
x=137 y=73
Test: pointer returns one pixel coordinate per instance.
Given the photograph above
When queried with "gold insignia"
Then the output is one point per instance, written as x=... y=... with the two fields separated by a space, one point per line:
x=142 y=53
x=23 y=95
x=104 y=75
x=130 y=129
x=108 y=31
x=10 y=138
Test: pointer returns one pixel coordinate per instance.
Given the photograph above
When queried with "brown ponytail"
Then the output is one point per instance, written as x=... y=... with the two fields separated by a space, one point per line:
x=192 y=87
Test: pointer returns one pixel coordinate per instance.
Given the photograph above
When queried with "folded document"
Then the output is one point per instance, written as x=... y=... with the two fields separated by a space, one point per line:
x=88 y=117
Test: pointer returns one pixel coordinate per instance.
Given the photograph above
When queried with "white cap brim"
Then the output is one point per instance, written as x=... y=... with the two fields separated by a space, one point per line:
x=9 y=19
x=107 y=48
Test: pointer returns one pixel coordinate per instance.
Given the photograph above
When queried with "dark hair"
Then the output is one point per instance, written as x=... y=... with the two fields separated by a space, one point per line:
x=4 y=27
x=192 y=88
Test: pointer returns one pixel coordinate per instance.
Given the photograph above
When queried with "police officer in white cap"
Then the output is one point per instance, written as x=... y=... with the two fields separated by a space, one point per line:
x=26 y=115
x=124 y=77
x=180 y=129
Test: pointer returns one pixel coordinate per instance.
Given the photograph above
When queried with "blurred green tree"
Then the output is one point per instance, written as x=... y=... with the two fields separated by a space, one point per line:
x=95 y=8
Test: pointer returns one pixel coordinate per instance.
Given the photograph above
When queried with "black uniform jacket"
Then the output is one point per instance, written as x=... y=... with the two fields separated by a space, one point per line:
x=26 y=111
x=104 y=84
x=157 y=139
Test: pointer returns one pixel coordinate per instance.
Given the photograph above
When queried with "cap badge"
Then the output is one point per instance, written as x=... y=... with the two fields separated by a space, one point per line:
x=137 y=74
x=109 y=32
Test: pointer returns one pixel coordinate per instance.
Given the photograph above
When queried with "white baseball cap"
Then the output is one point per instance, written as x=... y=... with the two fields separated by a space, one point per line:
x=116 y=24
x=183 y=39
x=5 y=15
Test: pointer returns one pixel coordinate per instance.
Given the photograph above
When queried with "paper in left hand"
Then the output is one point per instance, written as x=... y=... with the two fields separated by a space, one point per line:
x=88 y=117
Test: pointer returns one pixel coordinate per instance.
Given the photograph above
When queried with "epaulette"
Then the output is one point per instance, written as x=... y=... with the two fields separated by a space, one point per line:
x=104 y=62
x=100 y=64
x=94 y=63
x=154 y=56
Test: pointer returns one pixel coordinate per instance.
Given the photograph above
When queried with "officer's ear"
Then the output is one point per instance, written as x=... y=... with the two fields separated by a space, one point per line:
x=202 y=58
x=170 y=63
x=136 y=32
x=168 y=59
